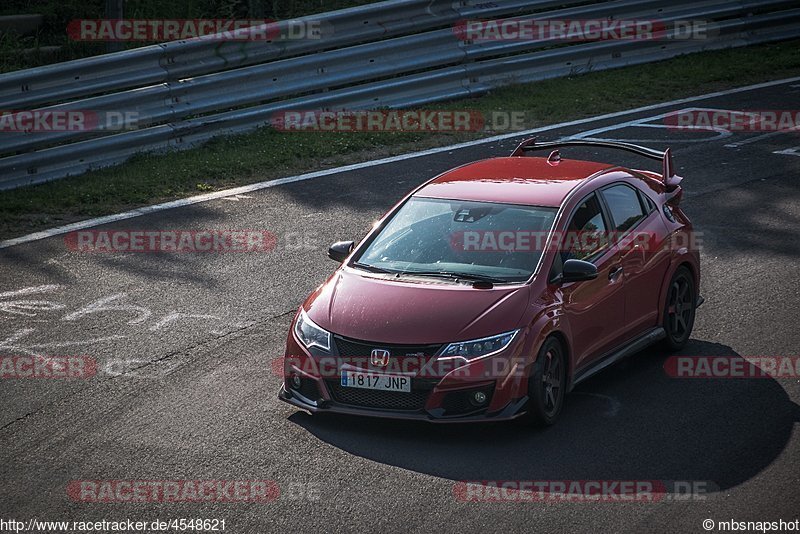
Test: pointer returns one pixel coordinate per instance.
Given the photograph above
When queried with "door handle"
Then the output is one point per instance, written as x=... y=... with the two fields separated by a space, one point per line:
x=614 y=273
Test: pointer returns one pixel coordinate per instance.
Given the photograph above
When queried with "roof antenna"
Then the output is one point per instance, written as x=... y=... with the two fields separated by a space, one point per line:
x=554 y=158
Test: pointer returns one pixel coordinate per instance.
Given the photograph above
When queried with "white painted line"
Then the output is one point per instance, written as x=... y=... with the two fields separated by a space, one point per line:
x=794 y=151
x=644 y=122
x=661 y=126
x=327 y=172
x=762 y=137
x=619 y=126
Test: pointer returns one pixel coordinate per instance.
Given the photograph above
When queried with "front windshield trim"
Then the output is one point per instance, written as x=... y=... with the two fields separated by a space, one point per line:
x=484 y=202
x=376 y=231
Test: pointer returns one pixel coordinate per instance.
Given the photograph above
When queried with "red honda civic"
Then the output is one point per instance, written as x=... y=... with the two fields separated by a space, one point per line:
x=490 y=291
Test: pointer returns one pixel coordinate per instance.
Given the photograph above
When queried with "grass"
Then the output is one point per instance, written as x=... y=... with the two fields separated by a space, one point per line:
x=20 y=52
x=265 y=154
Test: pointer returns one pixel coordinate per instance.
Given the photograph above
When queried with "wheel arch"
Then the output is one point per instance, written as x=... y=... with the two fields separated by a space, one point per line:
x=563 y=340
x=693 y=271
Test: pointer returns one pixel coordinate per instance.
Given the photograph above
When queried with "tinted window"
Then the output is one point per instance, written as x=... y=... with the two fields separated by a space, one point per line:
x=586 y=233
x=623 y=203
x=647 y=202
x=480 y=238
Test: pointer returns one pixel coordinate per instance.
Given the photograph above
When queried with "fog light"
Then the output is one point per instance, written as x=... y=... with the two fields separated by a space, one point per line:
x=478 y=398
x=296 y=382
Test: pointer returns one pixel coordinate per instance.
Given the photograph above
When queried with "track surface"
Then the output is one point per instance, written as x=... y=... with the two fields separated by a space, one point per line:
x=194 y=397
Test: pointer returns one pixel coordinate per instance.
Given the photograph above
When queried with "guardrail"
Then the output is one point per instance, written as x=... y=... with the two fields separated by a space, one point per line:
x=383 y=55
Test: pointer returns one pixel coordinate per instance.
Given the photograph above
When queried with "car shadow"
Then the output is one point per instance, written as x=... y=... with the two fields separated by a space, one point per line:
x=631 y=422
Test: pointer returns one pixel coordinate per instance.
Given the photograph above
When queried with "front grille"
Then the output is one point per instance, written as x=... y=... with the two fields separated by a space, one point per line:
x=387 y=400
x=405 y=358
x=350 y=348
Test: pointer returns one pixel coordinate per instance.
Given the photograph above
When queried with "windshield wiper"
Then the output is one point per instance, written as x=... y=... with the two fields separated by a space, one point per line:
x=372 y=268
x=456 y=276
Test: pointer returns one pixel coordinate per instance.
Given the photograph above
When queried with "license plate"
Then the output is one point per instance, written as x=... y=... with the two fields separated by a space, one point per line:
x=380 y=382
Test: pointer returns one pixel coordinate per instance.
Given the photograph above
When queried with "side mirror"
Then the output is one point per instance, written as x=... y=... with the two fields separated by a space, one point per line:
x=577 y=271
x=341 y=249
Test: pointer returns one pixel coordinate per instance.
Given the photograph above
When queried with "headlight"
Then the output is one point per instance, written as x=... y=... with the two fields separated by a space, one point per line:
x=310 y=334
x=478 y=348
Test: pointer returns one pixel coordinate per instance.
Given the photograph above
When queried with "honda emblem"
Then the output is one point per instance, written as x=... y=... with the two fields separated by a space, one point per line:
x=380 y=357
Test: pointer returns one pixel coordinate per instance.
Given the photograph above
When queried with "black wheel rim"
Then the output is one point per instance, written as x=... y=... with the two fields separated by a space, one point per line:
x=552 y=381
x=680 y=311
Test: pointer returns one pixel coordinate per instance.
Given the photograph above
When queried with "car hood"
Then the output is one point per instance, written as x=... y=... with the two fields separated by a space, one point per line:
x=373 y=308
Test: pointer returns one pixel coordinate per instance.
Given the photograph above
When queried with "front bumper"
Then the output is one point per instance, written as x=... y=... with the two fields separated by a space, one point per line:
x=441 y=391
x=512 y=410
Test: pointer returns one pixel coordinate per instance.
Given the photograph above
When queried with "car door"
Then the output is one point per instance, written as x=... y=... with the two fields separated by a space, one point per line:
x=640 y=235
x=595 y=309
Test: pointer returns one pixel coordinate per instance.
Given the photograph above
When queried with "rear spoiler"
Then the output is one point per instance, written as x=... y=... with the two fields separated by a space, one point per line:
x=669 y=178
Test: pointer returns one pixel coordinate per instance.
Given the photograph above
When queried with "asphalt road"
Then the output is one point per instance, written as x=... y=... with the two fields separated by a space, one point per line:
x=185 y=388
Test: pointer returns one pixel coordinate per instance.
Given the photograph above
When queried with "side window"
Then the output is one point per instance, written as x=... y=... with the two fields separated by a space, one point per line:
x=586 y=233
x=623 y=203
x=647 y=203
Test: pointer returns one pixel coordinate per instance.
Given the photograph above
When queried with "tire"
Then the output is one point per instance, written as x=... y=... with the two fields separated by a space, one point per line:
x=679 y=309
x=547 y=386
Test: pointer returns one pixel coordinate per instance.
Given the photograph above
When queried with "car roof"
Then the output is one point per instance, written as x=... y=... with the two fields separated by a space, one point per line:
x=513 y=180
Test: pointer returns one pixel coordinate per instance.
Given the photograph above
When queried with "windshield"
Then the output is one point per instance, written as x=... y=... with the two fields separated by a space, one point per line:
x=499 y=242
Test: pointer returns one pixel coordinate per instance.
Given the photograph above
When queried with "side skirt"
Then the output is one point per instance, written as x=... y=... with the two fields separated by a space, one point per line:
x=633 y=346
